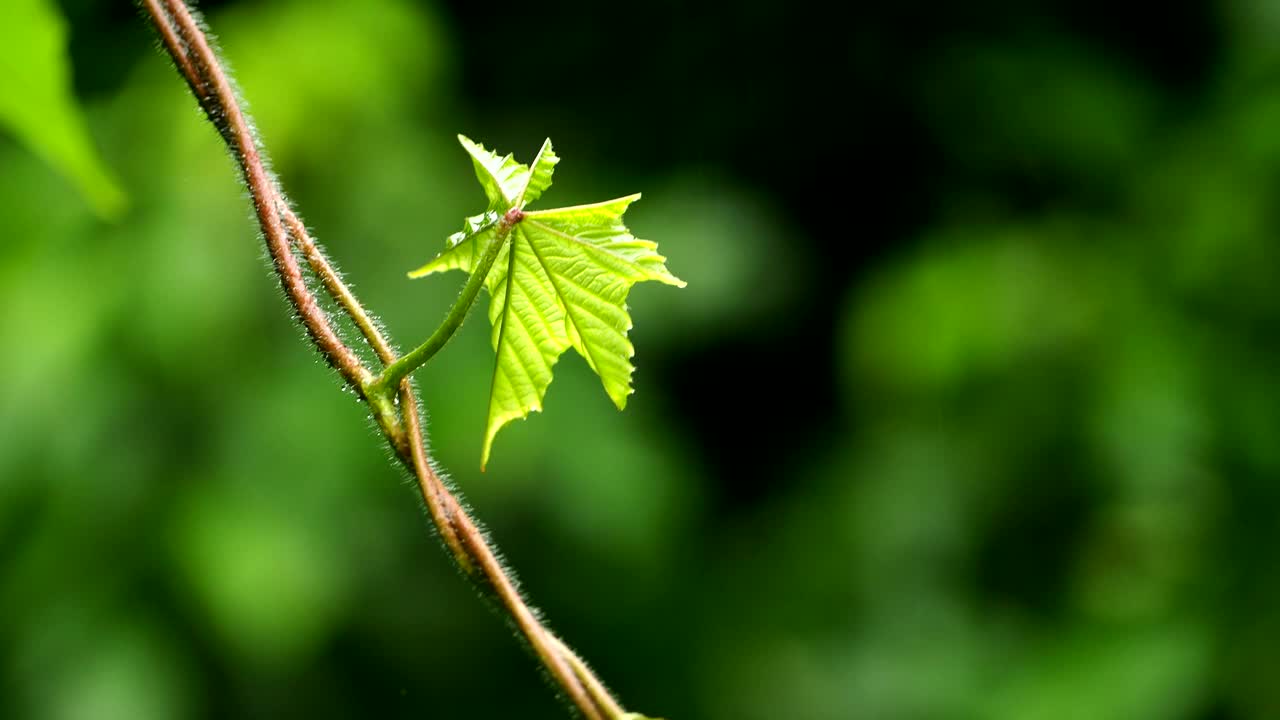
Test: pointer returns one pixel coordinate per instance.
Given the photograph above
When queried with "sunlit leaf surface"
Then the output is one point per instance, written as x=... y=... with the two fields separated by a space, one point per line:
x=561 y=282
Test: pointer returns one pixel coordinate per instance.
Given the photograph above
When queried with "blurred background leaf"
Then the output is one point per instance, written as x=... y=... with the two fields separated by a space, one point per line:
x=38 y=104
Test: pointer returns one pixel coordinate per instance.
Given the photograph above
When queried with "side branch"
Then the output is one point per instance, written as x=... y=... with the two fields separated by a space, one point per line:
x=338 y=289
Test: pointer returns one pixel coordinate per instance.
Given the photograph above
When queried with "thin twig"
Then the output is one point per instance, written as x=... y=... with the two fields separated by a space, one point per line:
x=383 y=411
x=594 y=688
x=186 y=43
x=338 y=289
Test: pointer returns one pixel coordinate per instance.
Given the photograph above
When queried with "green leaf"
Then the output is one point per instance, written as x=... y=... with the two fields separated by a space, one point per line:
x=38 y=105
x=503 y=178
x=540 y=178
x=561 y=281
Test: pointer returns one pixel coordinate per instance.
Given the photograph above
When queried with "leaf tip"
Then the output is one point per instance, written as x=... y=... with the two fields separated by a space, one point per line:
x=620 y=398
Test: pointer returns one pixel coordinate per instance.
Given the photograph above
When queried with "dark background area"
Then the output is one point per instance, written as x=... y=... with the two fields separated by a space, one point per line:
x=970 y=409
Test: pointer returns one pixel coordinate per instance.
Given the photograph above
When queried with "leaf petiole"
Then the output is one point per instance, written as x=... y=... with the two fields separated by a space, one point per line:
x=383 y=386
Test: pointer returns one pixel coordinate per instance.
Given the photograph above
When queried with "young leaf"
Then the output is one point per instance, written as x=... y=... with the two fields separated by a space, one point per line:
x=560 y=281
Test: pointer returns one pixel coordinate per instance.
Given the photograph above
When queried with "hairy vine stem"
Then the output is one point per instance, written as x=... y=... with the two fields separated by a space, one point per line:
x=390 y=396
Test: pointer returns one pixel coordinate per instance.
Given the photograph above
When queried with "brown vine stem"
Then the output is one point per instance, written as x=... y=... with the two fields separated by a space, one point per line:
x=186 y=43
x=389 y=420
x=266 y=197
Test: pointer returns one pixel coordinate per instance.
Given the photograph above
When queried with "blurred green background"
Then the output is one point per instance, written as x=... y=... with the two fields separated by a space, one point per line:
x=971 y=408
